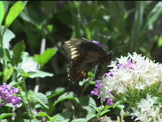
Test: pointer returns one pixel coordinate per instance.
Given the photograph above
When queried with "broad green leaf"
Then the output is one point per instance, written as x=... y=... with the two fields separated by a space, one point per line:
x=104 y=112
x=40 y=74
x=65 y=96
x=6 y=115
x=42 y=114
x=2 y=12
x=6 y=5
x=22 y=72
x=57 y=91
x=90 y=116
x=88 y=103
x=7 y=37
x=41 y=98
x=7 y=73
x=79 y=120
x=99 y=109
x=45 y=57
x=5 y=54
x=54 y=118
x=63 y=117
x=17 y=50
x=14 y=11
x=28 y=64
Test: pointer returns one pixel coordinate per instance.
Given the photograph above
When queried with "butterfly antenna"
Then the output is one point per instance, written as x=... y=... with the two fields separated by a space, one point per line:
x=119 y=47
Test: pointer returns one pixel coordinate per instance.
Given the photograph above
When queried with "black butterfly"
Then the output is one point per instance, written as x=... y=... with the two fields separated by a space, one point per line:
x=84 y=55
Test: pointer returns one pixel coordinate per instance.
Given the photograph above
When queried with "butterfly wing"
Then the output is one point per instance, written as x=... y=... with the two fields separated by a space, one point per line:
x=99 y=71
x=79 y=68
x=84 y=55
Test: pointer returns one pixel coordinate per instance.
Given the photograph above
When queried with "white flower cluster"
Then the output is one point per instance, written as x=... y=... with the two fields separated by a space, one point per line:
x=146 y=111
x=134 y=72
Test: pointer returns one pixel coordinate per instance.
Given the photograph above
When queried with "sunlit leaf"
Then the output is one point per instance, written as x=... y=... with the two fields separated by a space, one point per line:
x=57 y=91
x=65 y=96
x=7 y=37
x=14 y=11
x=90 y=115
x=88 y=103
x=7 y=73
x=79 y=120
x=43 y=114
x=2 y=12
x=45 y=57
x=40 y=74
x=41 y=98
x=28 y=64
x=63 y=117
x=2 y=116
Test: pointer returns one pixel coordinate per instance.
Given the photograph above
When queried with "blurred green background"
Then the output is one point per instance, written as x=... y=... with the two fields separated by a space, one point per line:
x=137 y=24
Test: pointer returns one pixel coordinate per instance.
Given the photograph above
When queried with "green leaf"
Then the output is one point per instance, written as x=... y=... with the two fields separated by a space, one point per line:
x=7 y=73
x=154 y=15
x=2 y=12
x=63 y=117
x=45 y=57
x=28 y=64
x=65 y=96
x=79 y=120
x=160 y=41
x=50 y=28
x=88 y=103
x=40 y=74
x=6 y=115
x=99 y=109
x=22 y=72
x=7 y=37
x=17 y=50
x=54 y=118
x=104 y=112
x=14 y=11
x=57 y=91
x=41 y=98
x=5 y=54
x=90 y=116
x=42 y=114
x=0 y=73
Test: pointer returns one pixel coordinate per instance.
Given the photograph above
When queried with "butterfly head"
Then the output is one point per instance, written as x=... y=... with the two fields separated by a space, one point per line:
x=105 y=59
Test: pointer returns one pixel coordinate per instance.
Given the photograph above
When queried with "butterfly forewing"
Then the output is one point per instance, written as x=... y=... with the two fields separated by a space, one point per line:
x=83 y=56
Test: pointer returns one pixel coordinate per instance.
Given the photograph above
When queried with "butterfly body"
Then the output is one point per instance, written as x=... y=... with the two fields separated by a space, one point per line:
x=83 y=56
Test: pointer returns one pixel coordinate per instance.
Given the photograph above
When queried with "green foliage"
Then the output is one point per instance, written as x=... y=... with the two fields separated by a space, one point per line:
x=17 y=50
x=45 y=57
x=32 y=58
x=7 y=73
x=2 y=12
x=7 y=36
x=14 y=11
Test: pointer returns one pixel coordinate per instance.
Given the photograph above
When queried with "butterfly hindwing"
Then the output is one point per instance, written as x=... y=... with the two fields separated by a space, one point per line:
x=80 y=66
x=83 y=56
